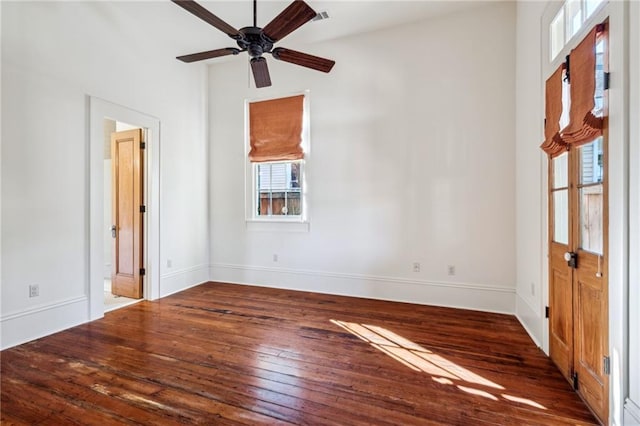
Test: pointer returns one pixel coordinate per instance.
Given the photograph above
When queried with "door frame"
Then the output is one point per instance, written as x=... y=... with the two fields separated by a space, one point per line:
x=618 y=205
x=99 y=109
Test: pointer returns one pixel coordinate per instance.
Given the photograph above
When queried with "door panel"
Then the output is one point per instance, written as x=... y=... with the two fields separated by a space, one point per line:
x=591 y=345
x=127 y=219
x=561 y=311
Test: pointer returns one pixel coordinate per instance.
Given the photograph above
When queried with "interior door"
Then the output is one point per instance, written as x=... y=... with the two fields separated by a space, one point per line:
x=127 y=213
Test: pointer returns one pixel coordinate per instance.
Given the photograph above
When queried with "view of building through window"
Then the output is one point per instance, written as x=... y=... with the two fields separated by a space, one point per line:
x=278 y=189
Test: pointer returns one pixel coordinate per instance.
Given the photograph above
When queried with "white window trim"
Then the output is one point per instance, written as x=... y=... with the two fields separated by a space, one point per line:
x=278 y=223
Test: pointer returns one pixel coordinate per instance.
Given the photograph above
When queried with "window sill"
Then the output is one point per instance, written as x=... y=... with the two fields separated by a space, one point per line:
x=277 y=225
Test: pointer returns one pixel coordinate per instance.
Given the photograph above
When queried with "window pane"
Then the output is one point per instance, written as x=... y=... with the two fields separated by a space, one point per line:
x=599 y=92
x=591 y=219
x=561 y=216
x=556 y=34
x=591 y=6
x=574 y=17
x=278 y=188
x=591 y=168
x=560 y=171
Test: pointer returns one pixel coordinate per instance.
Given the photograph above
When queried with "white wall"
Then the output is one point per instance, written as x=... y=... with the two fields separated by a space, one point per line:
x=53 y=55
x=530 y=193
x=411 y=161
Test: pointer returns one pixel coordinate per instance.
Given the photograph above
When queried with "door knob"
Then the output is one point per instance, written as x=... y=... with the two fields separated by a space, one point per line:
x=572 y=259
x=113 y=231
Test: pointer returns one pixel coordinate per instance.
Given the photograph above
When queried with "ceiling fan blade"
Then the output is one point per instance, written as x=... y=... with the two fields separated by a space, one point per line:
x=294 y=16
x=210 y=18
x=303 y=59
x=260 y=72
x=200 y=56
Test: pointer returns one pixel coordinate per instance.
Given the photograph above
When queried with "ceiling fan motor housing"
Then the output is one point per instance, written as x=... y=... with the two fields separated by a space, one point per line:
x=254 y=41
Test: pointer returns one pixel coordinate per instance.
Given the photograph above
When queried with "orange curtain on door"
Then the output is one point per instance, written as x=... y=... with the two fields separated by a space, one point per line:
x=553 y=144
x=275 y=129
x=583 y=126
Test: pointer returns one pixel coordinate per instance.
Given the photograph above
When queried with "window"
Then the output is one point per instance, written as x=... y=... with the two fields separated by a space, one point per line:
x=569 y=20
x=278 y=189
x=278 y=143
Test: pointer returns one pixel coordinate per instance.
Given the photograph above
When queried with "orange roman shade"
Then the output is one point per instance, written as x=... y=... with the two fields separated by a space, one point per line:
x=583 y=126
x=275 y=129
x=553 y=144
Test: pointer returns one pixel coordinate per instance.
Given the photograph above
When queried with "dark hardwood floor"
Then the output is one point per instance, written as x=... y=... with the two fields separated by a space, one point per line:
x=230 y=354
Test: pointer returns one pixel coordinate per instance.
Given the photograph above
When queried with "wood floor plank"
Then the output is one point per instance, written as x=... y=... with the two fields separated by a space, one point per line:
x=230 y=354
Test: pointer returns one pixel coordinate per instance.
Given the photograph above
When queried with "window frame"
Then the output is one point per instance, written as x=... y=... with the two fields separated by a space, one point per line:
x=570 y=41
x=252 y=219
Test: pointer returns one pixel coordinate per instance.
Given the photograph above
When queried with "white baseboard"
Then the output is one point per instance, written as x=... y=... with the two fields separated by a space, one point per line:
x=457 y=295
x=631 y=413
x=183 y=279
x=43 y=320
x=530 y=320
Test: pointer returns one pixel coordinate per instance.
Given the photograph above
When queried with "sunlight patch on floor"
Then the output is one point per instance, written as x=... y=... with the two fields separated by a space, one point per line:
x=420 y=359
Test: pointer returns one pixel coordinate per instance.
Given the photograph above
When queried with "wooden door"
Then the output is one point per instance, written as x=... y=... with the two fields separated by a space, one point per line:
x=127 y=213
x=590 y=284
x=560 y=276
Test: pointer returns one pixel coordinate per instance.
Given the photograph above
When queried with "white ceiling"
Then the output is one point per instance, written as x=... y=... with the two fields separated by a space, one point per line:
x=177 y=32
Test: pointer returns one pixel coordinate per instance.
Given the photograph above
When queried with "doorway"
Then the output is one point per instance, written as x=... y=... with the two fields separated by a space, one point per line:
x=124 y=172
x=99 y=110
x=578 y=260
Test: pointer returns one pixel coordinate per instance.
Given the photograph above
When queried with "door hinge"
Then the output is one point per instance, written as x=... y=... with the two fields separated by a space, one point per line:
x=607 y=80
x=546 y=312
x=575 y=380
x=142 y=271
x=143 y=209
x=606 y=366
x=143 y=145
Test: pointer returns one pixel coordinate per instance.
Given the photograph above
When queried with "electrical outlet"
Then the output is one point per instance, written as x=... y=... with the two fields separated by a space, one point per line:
x=416 y=266
x=34 y=290
x=451 y=269
x=275 y=257
x=169 y=263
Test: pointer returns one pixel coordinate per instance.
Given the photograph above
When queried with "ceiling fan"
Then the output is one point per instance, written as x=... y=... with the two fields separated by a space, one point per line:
x=258 y=41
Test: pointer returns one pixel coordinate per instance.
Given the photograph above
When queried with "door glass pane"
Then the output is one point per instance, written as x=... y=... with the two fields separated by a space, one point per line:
x=560 y=173
x=561 y=216
x=599 y=90
x=591 y=166
x=591 y=219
